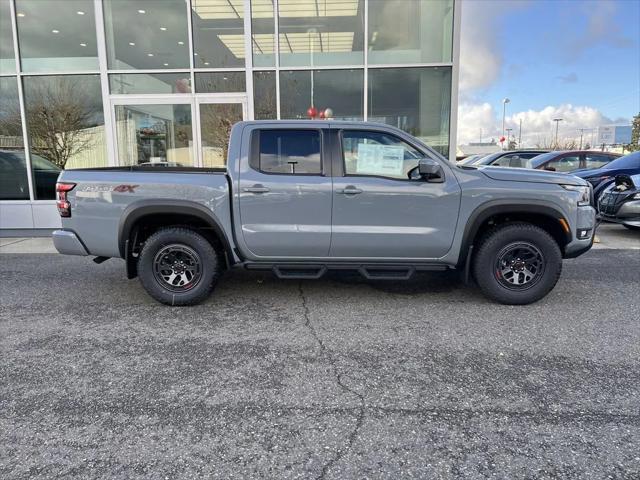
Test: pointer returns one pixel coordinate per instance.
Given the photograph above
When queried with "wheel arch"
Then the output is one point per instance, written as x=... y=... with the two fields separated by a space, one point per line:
x=176 y=212
x=545 y=215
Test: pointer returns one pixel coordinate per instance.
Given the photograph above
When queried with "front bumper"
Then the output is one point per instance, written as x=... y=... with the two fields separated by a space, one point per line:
x=586 y=220
x=68 y=243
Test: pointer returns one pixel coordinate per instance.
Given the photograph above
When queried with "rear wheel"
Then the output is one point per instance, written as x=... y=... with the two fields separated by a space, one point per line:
x=178 y=266
x=517 y=264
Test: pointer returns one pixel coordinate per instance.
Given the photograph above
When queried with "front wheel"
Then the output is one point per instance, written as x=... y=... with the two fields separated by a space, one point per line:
x=517 y=264
x=178 y=266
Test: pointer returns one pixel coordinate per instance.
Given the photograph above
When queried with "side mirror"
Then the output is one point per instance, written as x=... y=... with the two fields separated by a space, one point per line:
x=430 y=170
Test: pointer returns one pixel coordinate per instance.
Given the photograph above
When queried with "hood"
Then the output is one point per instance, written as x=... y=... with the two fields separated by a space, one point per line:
x=529 y=175
x=597 y=172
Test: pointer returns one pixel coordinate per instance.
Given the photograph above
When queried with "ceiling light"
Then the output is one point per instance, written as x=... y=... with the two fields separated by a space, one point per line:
x=195 y=54
x=166 y=64
x=206 y=63
x=55 y=31
x=149 y=54
x=142 y=11
x=83 y=44
x=80 y=12
x=20 y=14
x=132 y=43
x=164 y=29
x=225 y=78
x=180 y=43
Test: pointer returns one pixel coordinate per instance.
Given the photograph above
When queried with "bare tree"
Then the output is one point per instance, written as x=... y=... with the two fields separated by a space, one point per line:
x=215 y=122
x=561 y=144
x=58 y=112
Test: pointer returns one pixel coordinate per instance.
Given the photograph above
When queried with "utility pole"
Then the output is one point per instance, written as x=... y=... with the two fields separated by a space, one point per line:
x=557 y=120
x=581 y=130
x=520 y=135
x=504 y=111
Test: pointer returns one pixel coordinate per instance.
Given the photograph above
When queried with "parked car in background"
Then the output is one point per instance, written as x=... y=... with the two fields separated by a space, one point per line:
x=620 y=201
x=509 y=158
x=14 y=184
x=470 y=159
x=571 y=160
x=603 y=177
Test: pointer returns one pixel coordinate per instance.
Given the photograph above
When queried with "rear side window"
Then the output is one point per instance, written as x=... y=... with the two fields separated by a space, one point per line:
x=289 y=152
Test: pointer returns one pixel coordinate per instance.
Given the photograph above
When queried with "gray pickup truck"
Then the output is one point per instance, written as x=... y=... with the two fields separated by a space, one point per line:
x=300 y=198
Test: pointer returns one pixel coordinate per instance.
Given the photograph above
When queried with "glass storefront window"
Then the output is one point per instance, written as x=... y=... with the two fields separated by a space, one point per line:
x=264 y=96
x=65 y=125
x=146 y=34
x=321 y=32
x=218 y=33
x=154 y=135
x=57 y=36
x=263 y=33
x=216 y=120
x=341 y=91
x=14 y=182
x=131 y=83
x=416 y=100
x=410 y=31
x=7 y=55
x=217 y=82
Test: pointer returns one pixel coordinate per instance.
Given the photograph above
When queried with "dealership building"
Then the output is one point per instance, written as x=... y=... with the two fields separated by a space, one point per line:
x=92 y=83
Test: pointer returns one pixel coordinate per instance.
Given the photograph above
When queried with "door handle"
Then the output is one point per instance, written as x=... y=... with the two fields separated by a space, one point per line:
x=257 y=189
x=350 y=190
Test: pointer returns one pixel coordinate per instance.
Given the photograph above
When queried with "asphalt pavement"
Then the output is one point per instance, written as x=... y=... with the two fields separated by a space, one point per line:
x=336 y=378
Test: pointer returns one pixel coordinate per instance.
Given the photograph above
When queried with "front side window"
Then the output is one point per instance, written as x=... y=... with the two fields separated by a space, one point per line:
x=290 y=152
x=378 y=154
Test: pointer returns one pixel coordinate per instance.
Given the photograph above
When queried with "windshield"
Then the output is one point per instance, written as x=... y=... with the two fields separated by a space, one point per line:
x=628 y=161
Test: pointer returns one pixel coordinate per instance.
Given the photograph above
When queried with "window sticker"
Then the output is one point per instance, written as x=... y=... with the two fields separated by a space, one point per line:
x=381 y=160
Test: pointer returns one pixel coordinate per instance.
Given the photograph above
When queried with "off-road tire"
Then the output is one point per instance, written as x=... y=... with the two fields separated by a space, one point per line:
x=486 y=269
x=191 y=241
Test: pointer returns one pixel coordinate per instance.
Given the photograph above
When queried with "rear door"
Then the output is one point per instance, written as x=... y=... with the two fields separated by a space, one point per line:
x=378 y=211
x=285 y=194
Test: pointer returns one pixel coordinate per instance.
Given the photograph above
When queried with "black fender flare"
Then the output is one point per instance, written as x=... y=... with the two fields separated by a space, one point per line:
x=498 y=207
x=141 y=208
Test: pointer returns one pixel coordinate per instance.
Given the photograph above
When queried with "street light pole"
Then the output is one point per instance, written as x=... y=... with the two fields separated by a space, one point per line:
x=557 y=120
x=504 y=111
x=509 y=130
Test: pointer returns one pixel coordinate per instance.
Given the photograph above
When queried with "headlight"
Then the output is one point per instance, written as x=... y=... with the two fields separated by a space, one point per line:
x=584 y=197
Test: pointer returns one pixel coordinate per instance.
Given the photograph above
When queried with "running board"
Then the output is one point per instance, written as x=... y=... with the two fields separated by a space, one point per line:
x=314 y=271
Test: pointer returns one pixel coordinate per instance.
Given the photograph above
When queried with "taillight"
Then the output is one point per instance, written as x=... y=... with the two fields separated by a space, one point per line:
x=64 y=207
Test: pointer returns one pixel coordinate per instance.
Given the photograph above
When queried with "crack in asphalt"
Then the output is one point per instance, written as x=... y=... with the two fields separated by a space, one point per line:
x=360 y=411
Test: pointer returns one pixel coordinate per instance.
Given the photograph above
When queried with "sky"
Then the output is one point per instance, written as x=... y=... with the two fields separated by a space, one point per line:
x=573 y=59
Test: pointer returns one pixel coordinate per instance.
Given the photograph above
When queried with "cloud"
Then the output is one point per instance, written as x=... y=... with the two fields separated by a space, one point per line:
x=480 y=57
x=570 y=78
x=537 y=125
x=600 y=29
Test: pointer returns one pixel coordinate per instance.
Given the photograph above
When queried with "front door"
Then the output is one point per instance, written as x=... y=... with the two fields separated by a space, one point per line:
x=378 y=211
x=285 y=194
